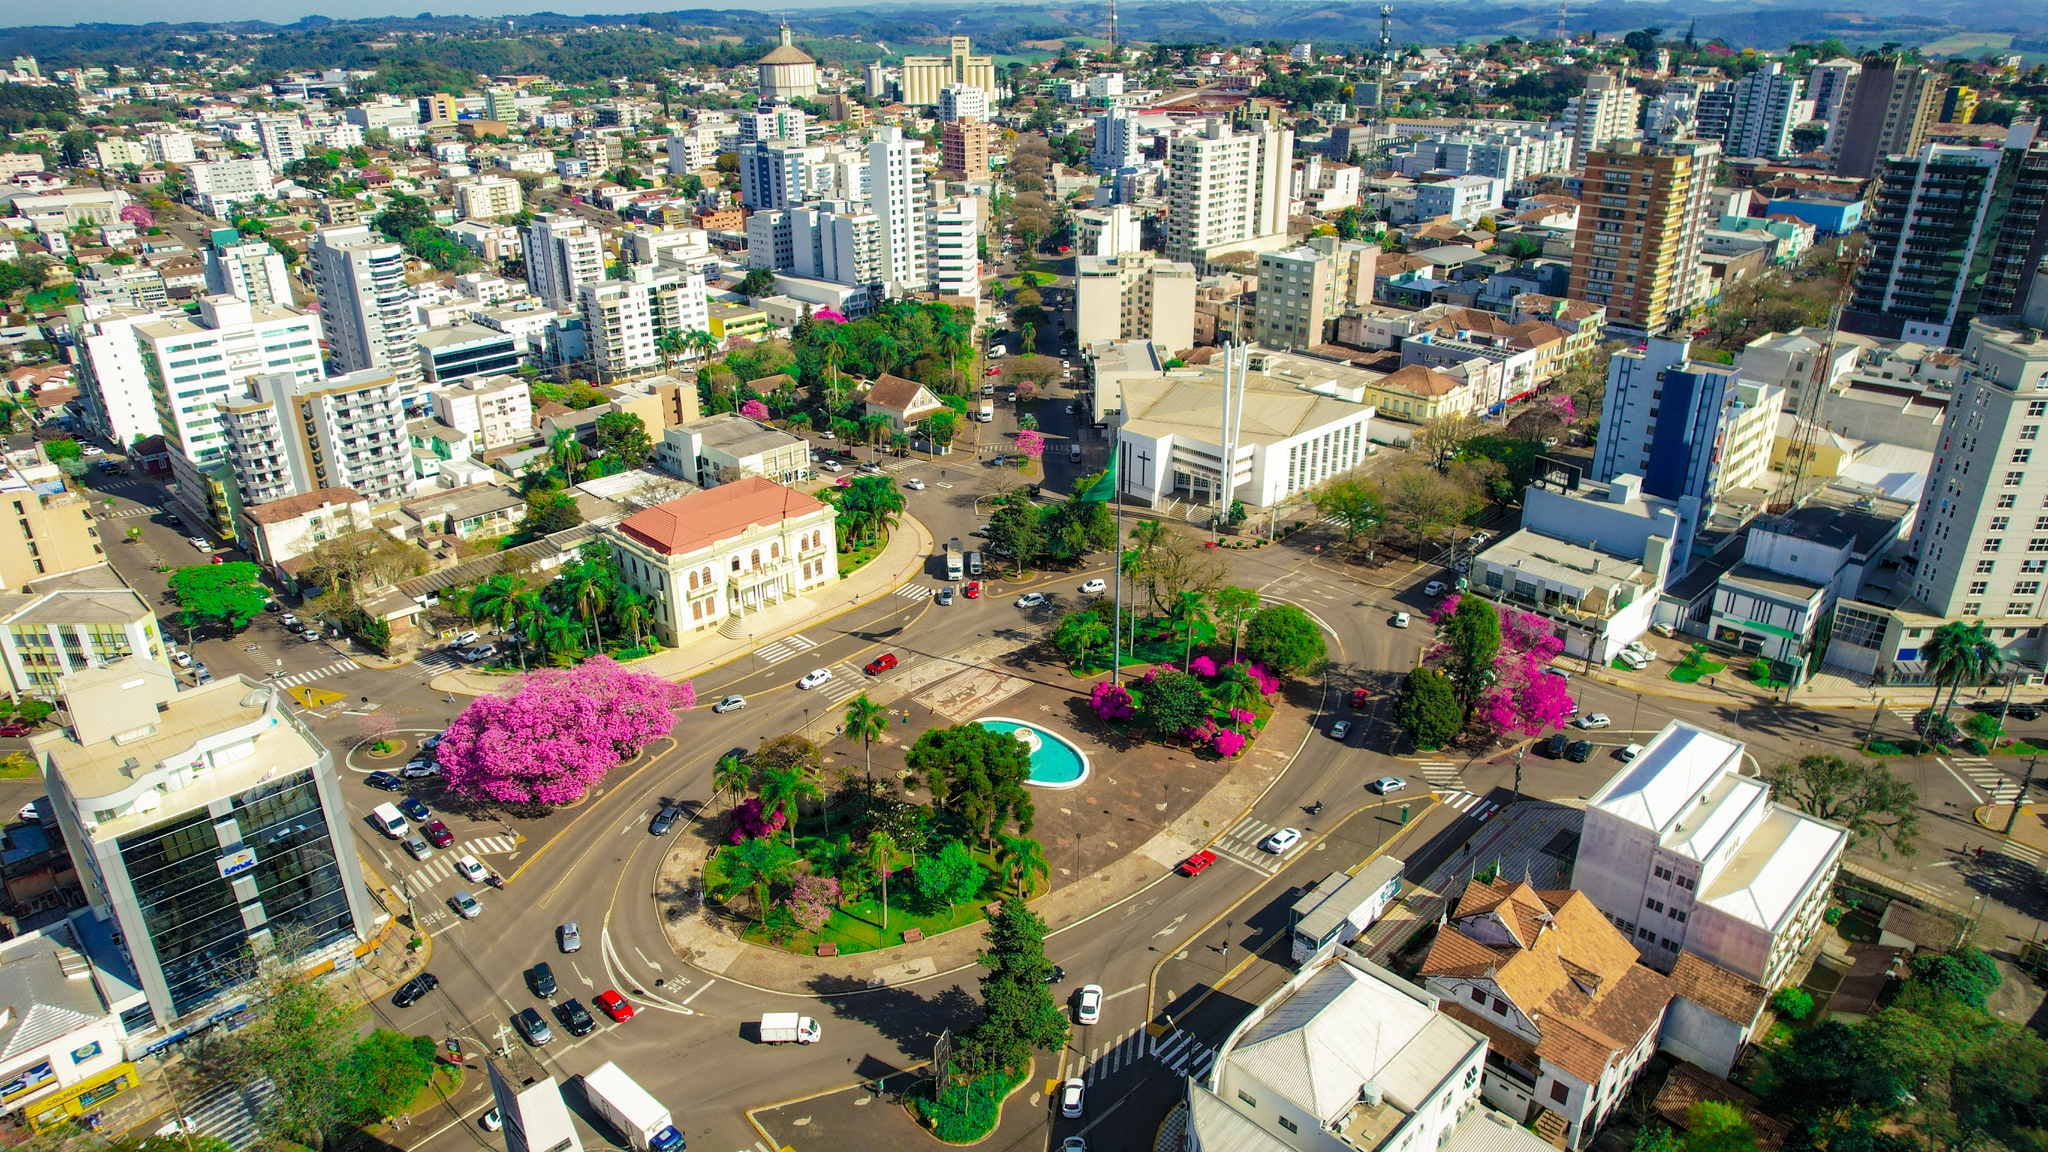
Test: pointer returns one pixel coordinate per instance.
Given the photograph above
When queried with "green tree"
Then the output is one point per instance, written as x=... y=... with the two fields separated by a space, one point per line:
x=624 y=437
x=977 y=776
x=1966 y=975
x=1471 y=640
x=1020 y=858
x=1284 y=639
x=1014 y=532
x=229 y=595
x=752 y=867
x=947 y=877
x=880 y=848
x=786 y=788
x=61 y=449
x=388 y=1071
x=1428 y=708
x=759 y=282
x=1079 y=633
x=548 y=513
x=1718 y=1126
x=731 y=774
x=1019 y=1014
x=301 y=1040
x=1959 y=652
x=1354 y=501
x=1235 y=607
x=1860 y=795
x=1173 y=702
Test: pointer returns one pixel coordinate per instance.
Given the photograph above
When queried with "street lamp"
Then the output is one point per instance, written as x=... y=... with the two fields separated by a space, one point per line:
x=1226 y=943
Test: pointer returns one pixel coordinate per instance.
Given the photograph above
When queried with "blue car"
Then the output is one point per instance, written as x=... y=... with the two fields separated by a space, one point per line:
x=414 y=810
x=385 y=781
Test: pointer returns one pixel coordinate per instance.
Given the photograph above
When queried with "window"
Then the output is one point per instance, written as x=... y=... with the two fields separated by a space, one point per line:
x=1661 y=872
x=2000 y=523
x=1992 y=543
x=2038 y=544
x=1654 y=905
x=2013 y=479
x=1559 y=1091
x=1984 y=567
x=2037 y=408
x=2022 y=455
x=1287 y=1124
x=1979 y=587
x=1478 y=997
x=2027 y=588
x=1675 y=914
x=2030 y=432
x=2019 y=607
x=2008 y=501
x=1687 y=883
x=1972 y=607
x=1247 y=1098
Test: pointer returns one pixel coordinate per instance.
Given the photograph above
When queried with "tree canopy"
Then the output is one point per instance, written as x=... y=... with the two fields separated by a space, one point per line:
x=1860 y=795
x=1285 y=639
x=976 y=776
x=229 y=595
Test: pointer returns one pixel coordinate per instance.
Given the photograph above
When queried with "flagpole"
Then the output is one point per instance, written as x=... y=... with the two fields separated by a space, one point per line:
x=1116 y=449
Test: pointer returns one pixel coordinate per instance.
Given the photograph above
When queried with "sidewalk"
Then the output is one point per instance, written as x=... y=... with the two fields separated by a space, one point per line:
x=905 y=557
x=709 y=940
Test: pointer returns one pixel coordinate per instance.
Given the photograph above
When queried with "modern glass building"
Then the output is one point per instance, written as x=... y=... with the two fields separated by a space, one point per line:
x=209 y=823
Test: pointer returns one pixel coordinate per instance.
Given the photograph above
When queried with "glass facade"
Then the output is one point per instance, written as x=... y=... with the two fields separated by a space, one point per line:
x=195 y=923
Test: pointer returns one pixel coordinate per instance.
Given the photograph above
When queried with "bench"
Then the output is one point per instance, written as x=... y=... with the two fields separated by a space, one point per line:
x=913 y=935
x=828 y=949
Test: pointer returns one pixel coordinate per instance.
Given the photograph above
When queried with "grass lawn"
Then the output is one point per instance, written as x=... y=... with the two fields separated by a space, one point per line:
x=1147 y=650
x=1033 y=279
x=1693 y=667
x=849 y=562
x=856 y=926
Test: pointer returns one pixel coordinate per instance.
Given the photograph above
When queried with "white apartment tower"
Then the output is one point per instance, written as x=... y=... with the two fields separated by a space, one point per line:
x=623 y=318
x=366 y=305
x=119 y=399
x=1828 y=84
x=563 y=253
x=292 y=436
x=952 y=246
x=195 y=364
x=896 y=196
x=1226 y=187
x=1117 y=143
x=1602 y=111
x=283 y=139
x=493 y=410
x=1766 y=103
x=250 y=269
x=959 y=101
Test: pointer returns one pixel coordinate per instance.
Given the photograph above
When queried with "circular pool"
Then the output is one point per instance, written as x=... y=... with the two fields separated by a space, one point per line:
x=1055 y=762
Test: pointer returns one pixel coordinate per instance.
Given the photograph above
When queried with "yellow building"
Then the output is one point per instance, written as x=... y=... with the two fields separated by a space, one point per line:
x=1418 y=394
x=924 y=76
x=1831 y=451
x=728 y=320
x=45 y=535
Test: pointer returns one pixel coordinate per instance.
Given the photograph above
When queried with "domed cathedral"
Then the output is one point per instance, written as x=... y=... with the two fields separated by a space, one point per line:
x=787 y=71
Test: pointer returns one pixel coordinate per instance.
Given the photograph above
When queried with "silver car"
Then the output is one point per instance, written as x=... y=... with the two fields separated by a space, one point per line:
x=465 y=905
x=572 y=937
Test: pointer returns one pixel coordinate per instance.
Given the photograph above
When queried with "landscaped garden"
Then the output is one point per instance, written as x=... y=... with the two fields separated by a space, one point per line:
x=1695 y=665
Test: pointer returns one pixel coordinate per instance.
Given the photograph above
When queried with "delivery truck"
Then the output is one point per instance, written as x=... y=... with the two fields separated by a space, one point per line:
x=988 y=411
x=784 y=1027
x=639 y=1117
x=953 y=559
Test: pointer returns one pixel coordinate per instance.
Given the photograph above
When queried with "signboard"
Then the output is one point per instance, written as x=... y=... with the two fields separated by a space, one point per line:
x=25 y=1082
x=237 y=862
x=81 y=1055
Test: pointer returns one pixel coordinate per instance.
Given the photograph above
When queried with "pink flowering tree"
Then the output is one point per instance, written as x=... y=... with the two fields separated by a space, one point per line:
x=811 y=900
x=558 y=732
x=139 y=216
x=752 y=820
x=1229 y=743
x=1242 y=718
x=1202 y=666
x=1112 y=702
x=827 y=316
x=1027 y=391
x=754 y=410
x=1561 y=405
x=1030 y=444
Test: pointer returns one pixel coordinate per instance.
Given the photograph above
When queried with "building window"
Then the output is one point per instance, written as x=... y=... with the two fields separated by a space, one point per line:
x=1500 y=1007
x=1654 y=905
x=2014 y=479
x=1287 y=1124
x=1979 y=587
x=1984 y=567
x=1992 y=543
x=1559 y=1092
x=1247 y=1098
x=1686 y=882
x=1478 y=997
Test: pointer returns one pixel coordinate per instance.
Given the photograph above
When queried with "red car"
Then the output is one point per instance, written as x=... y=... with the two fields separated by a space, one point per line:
x=439 y=835
x=880 y=664
x=16 y=728
x=1193 y=865
x=974 y=589
x=1359 y=696
x=217 y=559
x=614 y=1005
x=995 y=371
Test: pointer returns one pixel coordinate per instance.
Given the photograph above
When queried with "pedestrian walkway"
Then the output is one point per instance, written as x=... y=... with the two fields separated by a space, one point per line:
x=431 y=665
x=915 y=592
x=442 y=865
x=1985 y=782
x=334 y=669
x=229 y=1112
x=784 y=648
x=1470 y=805
x=1241 y=843
x=1183 y=1053
x=1441 y=774
x=124 y=513
x=1118 y=1055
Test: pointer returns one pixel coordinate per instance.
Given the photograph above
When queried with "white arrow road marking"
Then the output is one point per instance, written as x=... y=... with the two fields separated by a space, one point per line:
x=645 y=960
x=1170 y=929
x=644 y=998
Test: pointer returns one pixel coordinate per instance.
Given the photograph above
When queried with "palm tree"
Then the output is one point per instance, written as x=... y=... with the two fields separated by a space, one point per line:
x=671 y=344
x=731 y=774
x=631 y=611
x=555 y=635
x=867 y=721
x=785 y=788
x=840 y=860
x=701 y=342
x=1020 y=857
x=881 y=846
x=495 y=600
x=1958 y=652
x=750 y=866
x=1190 y=609
x=591 y=592
x=1147 y=535
x=566 y=451
x=835 y=347
x=885 y=348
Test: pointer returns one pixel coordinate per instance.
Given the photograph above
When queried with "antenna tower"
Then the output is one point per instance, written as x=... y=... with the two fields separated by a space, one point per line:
x=1387 y=33
x=1813 y=396
x=1564 y=8
x=1112 y=32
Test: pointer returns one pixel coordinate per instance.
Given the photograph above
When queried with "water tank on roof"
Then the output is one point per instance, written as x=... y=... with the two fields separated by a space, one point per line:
x=1369 y=1093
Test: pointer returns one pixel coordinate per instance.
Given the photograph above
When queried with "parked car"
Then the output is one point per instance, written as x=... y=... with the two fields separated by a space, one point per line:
x=829 y=465
x=571 y=937
x=477 y=653
x=541 y=979
x=16 y=728
x=417 y=847
x=410 y=992
x=1088 y=1008
x=532 y=1027
x=471 y=869
x=973 y=590
x=385 y=781
x=1388 y=785
x=1031 y=600
x=1055 y=974
x=2023 y=712
x=575 y=1017
x=1633 y=661
x=730 y=704
x=1281 y=841
x=1401 y=620
x=1560 y=673
x=182 y=658
x=465 y=905
x=438 y=834
x=1592 y=720
x=1580 y=752
x=1070 y=1098
x=491 y=1121
x=1558 y=743
x=614 y=1005
x=817 y=676
x=664 y=820
x=1340 y=729
x=420 y=767
x=201 y=674
x=914 y=484
x=1629 y=753
x=880 y=664
x=462 y=641
x=1193 y=865
x=1094 y=586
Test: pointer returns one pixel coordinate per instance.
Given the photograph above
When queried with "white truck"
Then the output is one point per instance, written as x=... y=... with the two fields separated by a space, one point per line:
x=639 y=1117
x=783 y=1027
x=988 y=411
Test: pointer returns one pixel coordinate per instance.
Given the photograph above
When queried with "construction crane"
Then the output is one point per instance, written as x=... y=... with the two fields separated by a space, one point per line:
x=1814 y=392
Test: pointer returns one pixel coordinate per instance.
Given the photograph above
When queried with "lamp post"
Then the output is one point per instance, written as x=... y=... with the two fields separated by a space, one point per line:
x=1226 y=943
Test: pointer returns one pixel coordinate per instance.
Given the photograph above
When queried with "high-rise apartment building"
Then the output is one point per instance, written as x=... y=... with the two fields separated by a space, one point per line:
x=1761 y=121
x=1117 y=142
x=46 y=527
x=1927 y=217
x=1225 y=187
x=1890 y=104
x=563 y=253
x=249 y=269
x=896 y=194
x=1134 y=296
x=831 y=240
x=1302 y=290
x=221 y=185
x=501 y=104
x=119 y=399
x=196 y=363
x=291 y=436
x=283 y=140
x=1644 y=209
x=493 y=410
x=1604 y=110
x=1958 y=104
x=437 y=108
x=2021 y=241
x=772 y=120
x=964 y=147
x=952 y=247
x=622 y=319
x=601 y=153
x=779 y=174
x=487 y=198
x=924 y=77
x=959 y=101
x=1827 y=84
x=209 y=824
x=366 y=303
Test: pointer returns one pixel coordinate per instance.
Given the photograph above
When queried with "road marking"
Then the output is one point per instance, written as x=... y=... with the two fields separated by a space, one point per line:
x=1170 y=929
x=587 y=981
x=1470 y=805
x=784 y=648
x=699 y=992
x=644 y=959
x=914 y=591
x=1959 y=779
x=1121 y=991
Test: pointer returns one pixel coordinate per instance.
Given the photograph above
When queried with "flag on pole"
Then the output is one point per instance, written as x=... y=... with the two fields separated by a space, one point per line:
x=1104 y=488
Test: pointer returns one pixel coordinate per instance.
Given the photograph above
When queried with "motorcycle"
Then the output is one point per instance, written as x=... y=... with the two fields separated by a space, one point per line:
x=1315 y=809
x=497 y=881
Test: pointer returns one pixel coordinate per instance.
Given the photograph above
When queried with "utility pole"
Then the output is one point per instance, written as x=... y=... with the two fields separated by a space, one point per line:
x=2020 y=797
x=1875 y=716
x=1518 y=769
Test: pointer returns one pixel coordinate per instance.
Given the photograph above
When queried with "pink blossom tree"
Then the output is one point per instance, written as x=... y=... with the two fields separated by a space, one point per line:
x=754 y=410
x=1562 y=405
x=751 y=820
x=1229 y=743
x=1111 y=702
x=811 y=900
x=558 y=732
x=1202 y=666
x=828 y=316
x=1031 y=444
x=139 y=216
x=1027 y=391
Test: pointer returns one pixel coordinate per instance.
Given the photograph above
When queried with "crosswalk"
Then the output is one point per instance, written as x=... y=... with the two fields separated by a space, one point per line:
x=1441 y=774
x=1986 y=778
x=1242 y=844
x=229 y=1112
x=784 y=648
x=431 y=665
x=1183 y=1053
x=441 y=865
x=334 y=669
x=914 y=591
x=846 y=683
x=1477 y=808
x=124 y=513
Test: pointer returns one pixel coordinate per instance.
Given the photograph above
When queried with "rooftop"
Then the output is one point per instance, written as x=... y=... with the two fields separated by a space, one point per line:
x=463 y=503
x=293 y=507
x=1674 y=768
x=47 y=988
x=68 y=606
x=692 y=523
x=740 y=437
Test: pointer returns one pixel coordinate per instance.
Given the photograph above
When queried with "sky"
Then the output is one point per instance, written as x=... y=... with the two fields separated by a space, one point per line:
x=287 y=11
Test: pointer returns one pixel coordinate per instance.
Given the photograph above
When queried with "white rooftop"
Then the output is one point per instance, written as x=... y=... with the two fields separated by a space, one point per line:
x=1676 y=766
x=1762 y=884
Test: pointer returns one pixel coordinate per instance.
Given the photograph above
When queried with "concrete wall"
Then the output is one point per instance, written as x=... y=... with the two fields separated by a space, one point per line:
x=1695 y=1035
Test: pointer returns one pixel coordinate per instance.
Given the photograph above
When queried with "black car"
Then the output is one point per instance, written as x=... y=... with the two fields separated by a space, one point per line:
x=532 y=1027
x=664 y=820
x=1055 y=974
x=1558 y=743
x=414 y=810
x=542 y=979
x=575 y=1017
x=1579 y=752
x=409 y=993
x=2023 y=712
x=384 y=780
x=1987 y=707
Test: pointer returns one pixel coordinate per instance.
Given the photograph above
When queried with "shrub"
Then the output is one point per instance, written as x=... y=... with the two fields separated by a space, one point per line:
x=751 y=822
x=1112 y=702
x=1229 y=743
x=1793 y=1003
x=964 y=1112
x=1202 y=666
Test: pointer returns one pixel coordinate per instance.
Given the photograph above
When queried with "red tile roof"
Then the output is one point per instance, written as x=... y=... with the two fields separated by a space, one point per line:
x=701 y=519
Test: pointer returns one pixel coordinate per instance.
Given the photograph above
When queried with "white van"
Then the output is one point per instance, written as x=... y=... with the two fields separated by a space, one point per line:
x=389 y=822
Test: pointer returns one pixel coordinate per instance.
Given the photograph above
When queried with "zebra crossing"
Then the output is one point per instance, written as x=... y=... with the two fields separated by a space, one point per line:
x=124 y=513
x=784 y=648
x=1183 y=1053
x=1477 y=808
x=441 y=865
x=1441 y=775
x=1985 y=776
x=432 y=664
x=1124 y=1052
x=846 y=683
x=334 y=669
x=1242 y=845
x=915 y=591
x=229 y=1112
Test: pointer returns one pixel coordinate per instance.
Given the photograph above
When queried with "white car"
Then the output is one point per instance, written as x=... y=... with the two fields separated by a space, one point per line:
x=1592 y=720
x=1281 y=841
x=1074 y=1144
x=1088 y=1009
x=183 y=1124
x=472 y=869
x=1433 y=588
x=914 y=484
x=92 y=450
x=1634 y=661
x=464 y=640
x=1070 y=1098
x=182 y=658
x=200 y=544
x=1401 y=620
x=1093 y=586
x=1030 y=600
x=1629 y=753
x=817 y=677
